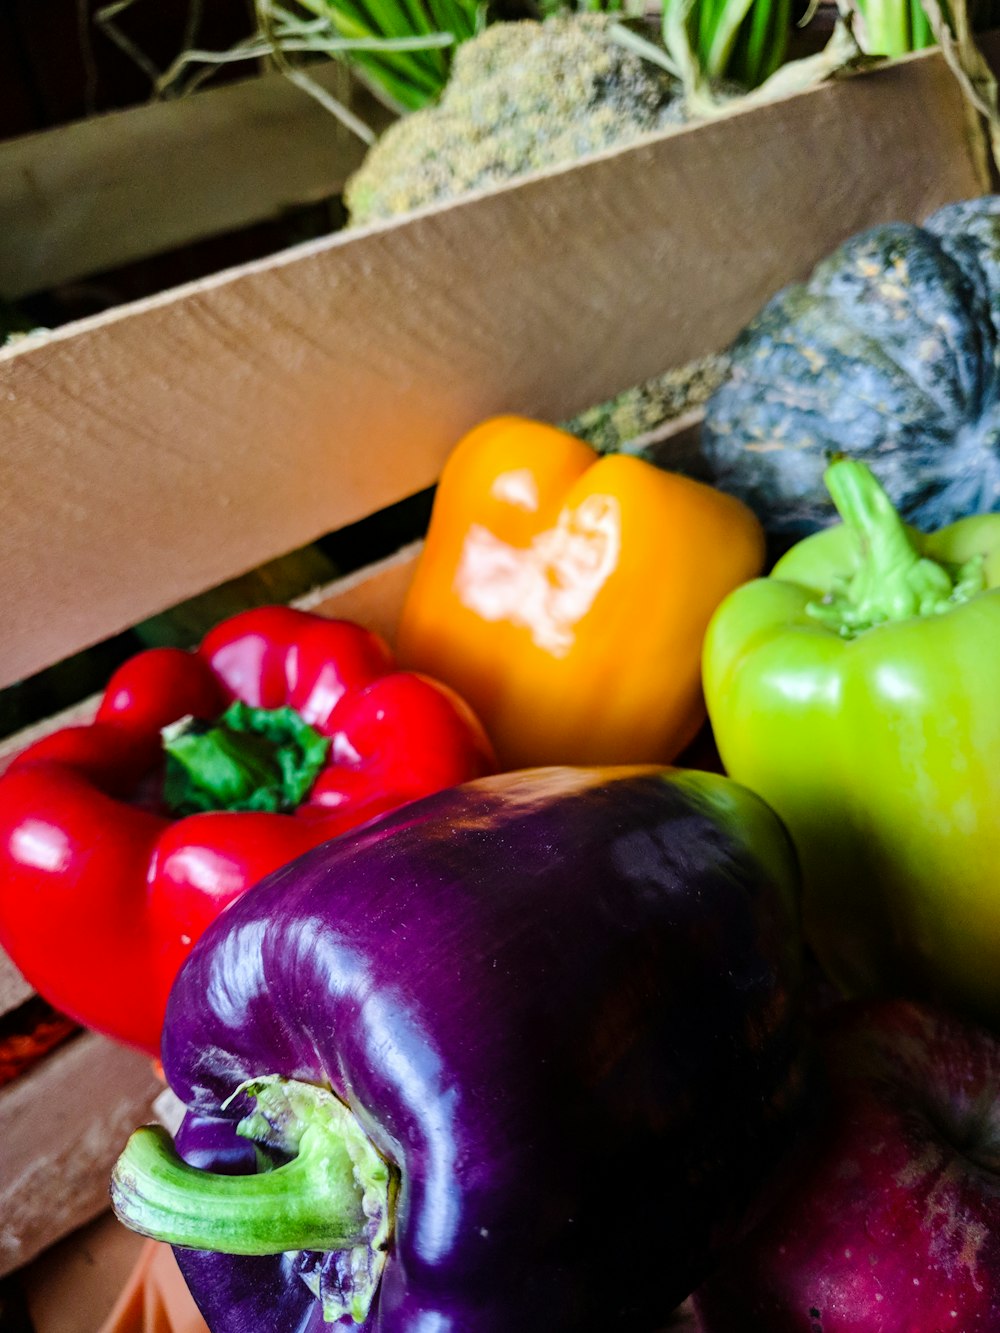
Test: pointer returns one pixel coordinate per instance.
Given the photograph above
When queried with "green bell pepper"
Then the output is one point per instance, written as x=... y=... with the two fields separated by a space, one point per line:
x=856 y=689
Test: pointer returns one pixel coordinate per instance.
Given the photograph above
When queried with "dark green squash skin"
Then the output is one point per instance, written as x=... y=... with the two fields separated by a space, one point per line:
x=890 y=352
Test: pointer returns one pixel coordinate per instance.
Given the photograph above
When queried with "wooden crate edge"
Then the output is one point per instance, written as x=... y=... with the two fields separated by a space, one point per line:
x=62 y=1126
x=98 y=193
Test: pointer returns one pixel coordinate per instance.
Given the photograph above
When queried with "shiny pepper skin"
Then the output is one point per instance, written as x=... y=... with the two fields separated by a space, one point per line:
x=566 y=596
x=855 y=690
x=103 y=890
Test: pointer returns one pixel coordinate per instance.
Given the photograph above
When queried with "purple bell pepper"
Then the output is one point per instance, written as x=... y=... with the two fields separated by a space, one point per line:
x=514 y=1059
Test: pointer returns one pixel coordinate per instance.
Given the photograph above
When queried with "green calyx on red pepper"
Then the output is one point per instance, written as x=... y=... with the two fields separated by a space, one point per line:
x=854 y=689
x=283 y=729
x=250 y=759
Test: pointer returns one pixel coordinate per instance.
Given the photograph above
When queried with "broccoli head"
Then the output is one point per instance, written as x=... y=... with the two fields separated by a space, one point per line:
x=521 y=96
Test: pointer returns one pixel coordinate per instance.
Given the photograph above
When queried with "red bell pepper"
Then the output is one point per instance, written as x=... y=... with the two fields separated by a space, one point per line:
x=114 y=857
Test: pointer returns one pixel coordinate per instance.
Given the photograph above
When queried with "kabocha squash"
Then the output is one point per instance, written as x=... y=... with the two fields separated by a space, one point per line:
x=890 y=352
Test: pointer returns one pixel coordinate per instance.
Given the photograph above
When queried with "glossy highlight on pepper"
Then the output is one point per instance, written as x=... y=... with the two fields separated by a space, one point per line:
x=566 y=596
x=281 y=730
x=561 y=1007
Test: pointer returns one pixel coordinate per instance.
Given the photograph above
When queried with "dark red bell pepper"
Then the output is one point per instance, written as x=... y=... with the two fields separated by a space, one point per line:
x=203 y=771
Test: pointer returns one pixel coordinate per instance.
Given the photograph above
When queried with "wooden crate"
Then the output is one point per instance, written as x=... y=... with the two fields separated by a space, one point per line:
x=99 y=193
x=154 y=451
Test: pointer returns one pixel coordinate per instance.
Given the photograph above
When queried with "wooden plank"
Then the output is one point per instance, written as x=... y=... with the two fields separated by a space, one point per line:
x=673 y=444
x=14 y=990
x=73 y=1287
x=111 y=189
x=160 y=449
x=373 y=597
x=62 y=1125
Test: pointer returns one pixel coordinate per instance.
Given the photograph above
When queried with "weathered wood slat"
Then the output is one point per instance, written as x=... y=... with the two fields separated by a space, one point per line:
x=105 y=191
x=73 y=1287
x=61 y=1126
x=373 y=597
x=163 y=448
x=14 y=990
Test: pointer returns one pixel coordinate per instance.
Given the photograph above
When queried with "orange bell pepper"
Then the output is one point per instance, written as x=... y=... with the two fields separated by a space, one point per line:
x=566 y=595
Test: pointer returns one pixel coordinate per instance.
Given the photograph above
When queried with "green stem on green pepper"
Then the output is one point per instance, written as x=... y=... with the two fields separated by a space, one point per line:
x=893 y=580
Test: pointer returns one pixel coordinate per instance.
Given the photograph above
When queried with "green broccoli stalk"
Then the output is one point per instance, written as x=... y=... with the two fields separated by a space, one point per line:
x=522 y=96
